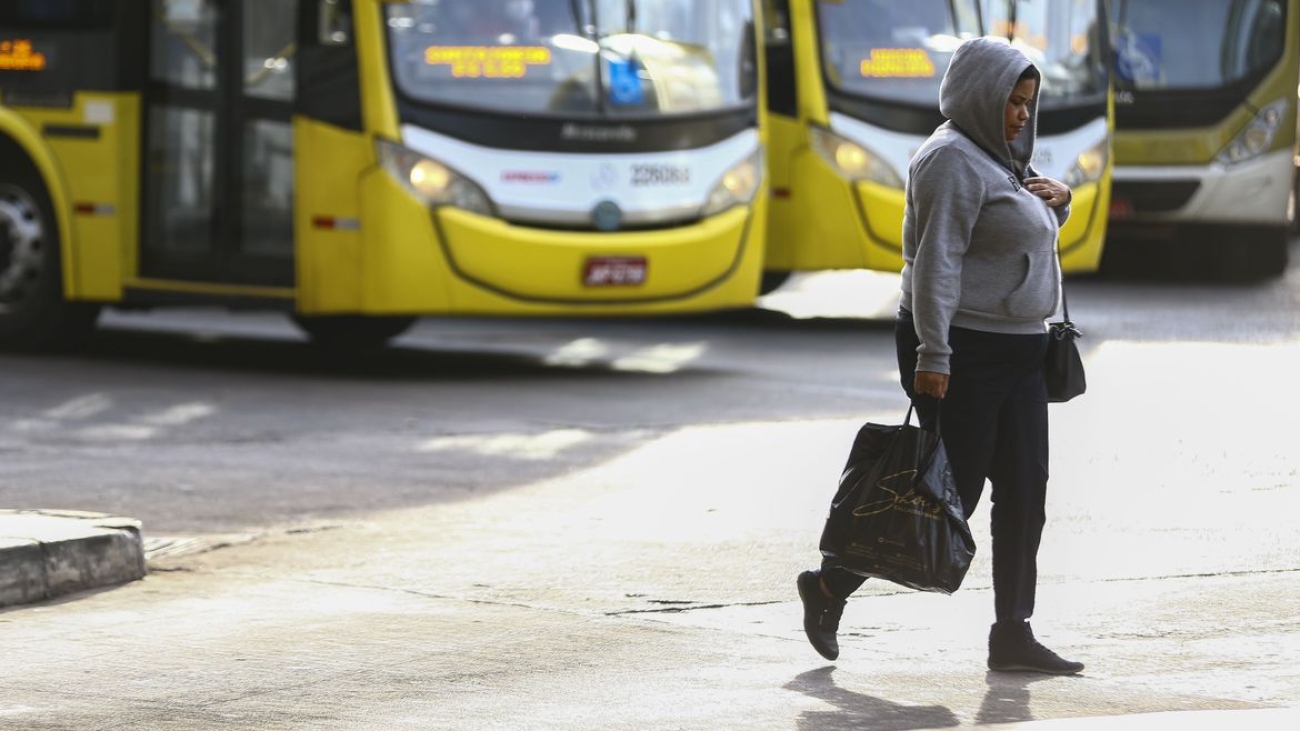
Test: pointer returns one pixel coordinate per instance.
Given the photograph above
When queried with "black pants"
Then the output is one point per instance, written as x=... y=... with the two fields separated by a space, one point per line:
x=994 y=426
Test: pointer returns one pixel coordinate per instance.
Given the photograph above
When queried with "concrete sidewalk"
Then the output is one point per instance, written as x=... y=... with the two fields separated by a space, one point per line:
x=1271 y=719
x=424 y=619
x=45 y=554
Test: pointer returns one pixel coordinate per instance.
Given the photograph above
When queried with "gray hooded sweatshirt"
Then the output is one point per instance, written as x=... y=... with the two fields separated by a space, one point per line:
x=979 y=249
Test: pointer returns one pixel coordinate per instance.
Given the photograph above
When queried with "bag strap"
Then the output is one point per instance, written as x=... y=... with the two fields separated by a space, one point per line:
x=1060 y=272
x=923 y=461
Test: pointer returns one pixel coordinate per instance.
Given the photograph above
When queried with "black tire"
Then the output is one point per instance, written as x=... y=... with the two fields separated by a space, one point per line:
x=1257 y=253
x=352 y=332
x=772 y=281
x=1293 y=205
x=33 y=312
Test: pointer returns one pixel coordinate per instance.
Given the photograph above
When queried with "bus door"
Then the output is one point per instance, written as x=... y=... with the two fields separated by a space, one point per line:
x=218 y=149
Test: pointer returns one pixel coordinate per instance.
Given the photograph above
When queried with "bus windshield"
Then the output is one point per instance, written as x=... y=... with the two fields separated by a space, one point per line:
x=893 y=50
x=1063 y=38
x=575 y=58
x=1195 y=44
x=900 y=50
x=56 y=14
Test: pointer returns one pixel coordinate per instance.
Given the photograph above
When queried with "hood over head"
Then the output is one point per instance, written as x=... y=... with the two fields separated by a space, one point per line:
x=974 y=94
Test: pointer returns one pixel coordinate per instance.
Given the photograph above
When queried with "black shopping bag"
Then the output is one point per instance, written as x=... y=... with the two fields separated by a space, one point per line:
x=897 y=515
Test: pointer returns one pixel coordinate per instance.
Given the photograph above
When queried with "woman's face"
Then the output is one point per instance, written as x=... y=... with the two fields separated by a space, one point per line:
x=1016 y=115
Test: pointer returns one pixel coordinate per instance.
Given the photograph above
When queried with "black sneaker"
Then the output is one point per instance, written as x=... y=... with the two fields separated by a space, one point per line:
x=821 y=615
x=1012 y=647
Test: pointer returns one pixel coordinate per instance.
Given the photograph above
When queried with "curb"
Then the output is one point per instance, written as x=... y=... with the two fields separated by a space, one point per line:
x=49 y=553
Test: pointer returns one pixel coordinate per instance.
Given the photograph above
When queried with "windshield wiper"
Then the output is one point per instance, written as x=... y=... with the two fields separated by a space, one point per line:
x=588 y=30
x=631 y=16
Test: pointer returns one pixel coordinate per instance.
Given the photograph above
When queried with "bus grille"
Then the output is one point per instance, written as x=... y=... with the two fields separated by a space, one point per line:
x=1161 y=197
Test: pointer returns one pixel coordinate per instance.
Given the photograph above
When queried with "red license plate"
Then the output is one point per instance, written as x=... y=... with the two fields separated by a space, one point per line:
x=614 y=271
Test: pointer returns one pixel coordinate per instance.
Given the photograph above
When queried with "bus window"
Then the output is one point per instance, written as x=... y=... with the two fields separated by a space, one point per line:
x=1065 y=43
x=562 y=57
x=269 y=58
x=269 y=49
x=1203 y=44
x=889 y=49
x=335 y=23
x=782 y=96
x=180 y=182
x=184 y=43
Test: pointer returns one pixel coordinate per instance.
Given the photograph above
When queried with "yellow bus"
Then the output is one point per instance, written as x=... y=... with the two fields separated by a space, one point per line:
x=360 y=163
x=1206 y=131
x=853 y=90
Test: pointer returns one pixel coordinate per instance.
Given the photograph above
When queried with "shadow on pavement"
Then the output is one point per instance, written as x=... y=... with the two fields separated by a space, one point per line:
x=296 y=358
x=861 y=712
x=1008 y=700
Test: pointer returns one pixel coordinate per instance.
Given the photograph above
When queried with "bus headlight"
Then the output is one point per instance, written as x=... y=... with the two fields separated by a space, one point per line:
x=1257 y=137
x=855 y=162
x=1089 y=166
x=430 y=181
x=737 y=186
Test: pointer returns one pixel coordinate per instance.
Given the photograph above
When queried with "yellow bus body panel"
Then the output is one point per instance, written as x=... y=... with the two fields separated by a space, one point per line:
x=25 y=133
x=104 y=173
x=832 y=223
x=328 y=165
x=783 y=235
x=882 y=207
x=378 y=105
x=403 y=269
x=91 y=181
x=1084 y=234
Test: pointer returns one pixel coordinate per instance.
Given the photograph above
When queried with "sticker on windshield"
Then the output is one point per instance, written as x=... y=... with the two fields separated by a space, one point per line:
x=624 y=84
x=1138 y=57
x=18 y=56
x=488 y=62
x=898 y=63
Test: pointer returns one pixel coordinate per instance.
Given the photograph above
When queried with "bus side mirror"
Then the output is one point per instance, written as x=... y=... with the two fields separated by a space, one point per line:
x=335 y=23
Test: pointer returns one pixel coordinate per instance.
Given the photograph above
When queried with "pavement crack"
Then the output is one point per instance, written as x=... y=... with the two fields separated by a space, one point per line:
x=687 y=607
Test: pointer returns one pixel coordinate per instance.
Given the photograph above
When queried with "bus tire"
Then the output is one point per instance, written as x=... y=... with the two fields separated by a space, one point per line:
x=352 y=332
x=34 y=315
x=1257 y=253
x=772 y=281
x=1293 y=205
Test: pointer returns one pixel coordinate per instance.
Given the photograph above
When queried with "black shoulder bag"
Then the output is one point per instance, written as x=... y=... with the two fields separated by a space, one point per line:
x=1064 y=367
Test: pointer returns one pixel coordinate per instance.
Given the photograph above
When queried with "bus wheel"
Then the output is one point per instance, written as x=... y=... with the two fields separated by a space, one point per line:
x=33 y=313
x=772 y=281
x=1257 y=253
x=352 y=332
x=1293 y=205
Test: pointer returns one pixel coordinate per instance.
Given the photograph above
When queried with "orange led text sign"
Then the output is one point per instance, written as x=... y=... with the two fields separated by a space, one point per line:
x=487 y=62
x=19 y=56
x=898 y=63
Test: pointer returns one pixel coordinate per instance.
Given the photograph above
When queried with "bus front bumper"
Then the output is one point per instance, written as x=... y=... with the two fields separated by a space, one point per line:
x=714 y=263
x=1253 y=193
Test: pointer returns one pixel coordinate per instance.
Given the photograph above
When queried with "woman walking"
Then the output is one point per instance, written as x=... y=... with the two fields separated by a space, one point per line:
x=980 y=280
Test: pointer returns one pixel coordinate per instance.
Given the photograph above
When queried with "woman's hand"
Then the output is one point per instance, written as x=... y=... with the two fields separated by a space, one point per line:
x=931 y=383
x=1054 y=192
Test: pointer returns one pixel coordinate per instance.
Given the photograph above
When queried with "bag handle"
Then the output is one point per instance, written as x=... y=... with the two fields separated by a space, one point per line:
x=923 y=462
x=1065 y=302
